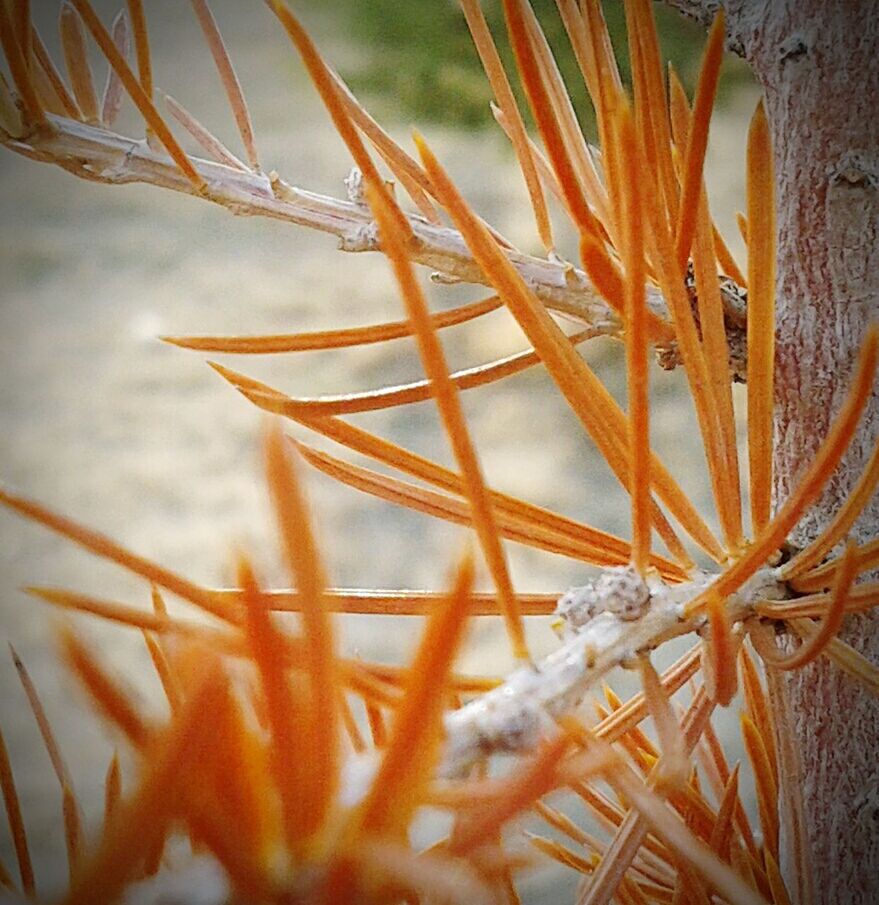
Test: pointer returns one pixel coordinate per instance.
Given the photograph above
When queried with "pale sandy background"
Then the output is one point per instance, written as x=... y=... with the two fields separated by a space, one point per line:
x=143 y=441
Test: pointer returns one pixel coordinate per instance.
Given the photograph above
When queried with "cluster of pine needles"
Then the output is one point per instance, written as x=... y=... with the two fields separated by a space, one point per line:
x=300 y=771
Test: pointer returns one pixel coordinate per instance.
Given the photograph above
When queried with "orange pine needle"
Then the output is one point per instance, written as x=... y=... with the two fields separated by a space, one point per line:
x=112 y=789
x=679 y=113
x=70 y=805
x=229 y=78
x=631 y=831
x=102 y=546
x=670 y=829
x=141 y=821
x=141 y=46
x=285 y=712
x=697 y=140
x=674 y=761
x=6 y=881
x=356 y=673
x=300 y=548
x=352 y=730
x=238 y=778
x=109 y=699
x=742 y=224
x=136 y=91
x=757 y=706
x=500 y=86
x=640 y=758
x=708 y=410
x=640 y=739
x=561 y=853
x=452 y=415
x=444 y=507
x=163 y=670
x=720 y=765
x=607 y=813
x=415 y=734
x=547 y=177
x=830 y=624
x=617 y=860
x=404 y=168
x=765 y=781
x=810 y=484
x=792 y=798
x=425 y=875
x=371 y=689
x=114 y=92
x=606 y=276
x=635 y=709
x=688 y=848
x=561 y=822
x=776 y=882
x=21 y=11
x=637 y=351
x=719 y=654
x=725 y=259
x=72 y=828
x=650 y=97
x=593 y=545
x=575 y=26
x=528 y=782
x=600 y=547
x=839 y=526
x=76 y=58
x=716 y=347
x=550 y=130
x=861 y=599
x=645 y=863
x=45 y=91
x=822 y=577
x=722 y=834
x=398 y=603
x=331 y=97
x=761 y=316
x=844 y=656
x=300 y=408
x=115 y=612
x=399 y=676
x=19 y=68
x=681 y=118
x=330 y=339
x=377 y=728
x=42 y=720
x=15 y=820
x=585 y=394
x=563 y=110
x=606 y=83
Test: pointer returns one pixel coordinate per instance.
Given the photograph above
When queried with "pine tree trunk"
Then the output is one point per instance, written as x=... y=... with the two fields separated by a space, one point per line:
x=818 y=62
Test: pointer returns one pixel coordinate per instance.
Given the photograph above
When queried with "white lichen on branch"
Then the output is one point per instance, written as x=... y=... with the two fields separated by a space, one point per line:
x=600 y=635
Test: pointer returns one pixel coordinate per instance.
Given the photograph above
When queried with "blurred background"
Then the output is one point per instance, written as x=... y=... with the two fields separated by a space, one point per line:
x=143 y=441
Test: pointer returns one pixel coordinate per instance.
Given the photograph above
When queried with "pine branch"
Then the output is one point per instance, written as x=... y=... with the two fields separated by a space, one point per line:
x=101 y=155
x=608 y=623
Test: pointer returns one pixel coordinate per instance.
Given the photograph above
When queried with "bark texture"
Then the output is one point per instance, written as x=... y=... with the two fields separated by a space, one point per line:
x=818 y=61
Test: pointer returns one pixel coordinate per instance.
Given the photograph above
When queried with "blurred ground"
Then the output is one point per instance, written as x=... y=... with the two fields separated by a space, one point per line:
x=143 y=441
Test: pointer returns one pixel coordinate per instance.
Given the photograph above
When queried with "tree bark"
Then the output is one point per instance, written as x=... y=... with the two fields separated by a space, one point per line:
x=818 y=62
